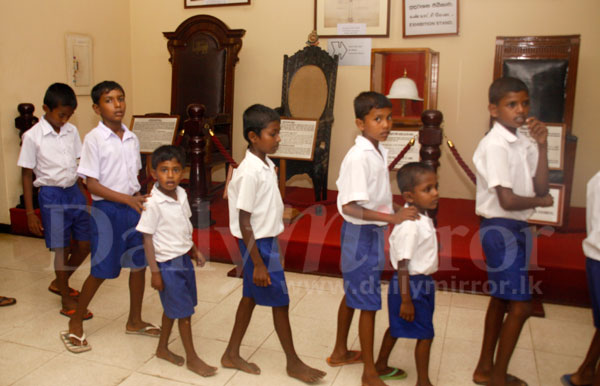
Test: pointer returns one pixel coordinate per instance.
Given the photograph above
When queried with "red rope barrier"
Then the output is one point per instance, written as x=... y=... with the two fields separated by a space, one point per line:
x=222 y=149
x=401 y=154
x=461 y=162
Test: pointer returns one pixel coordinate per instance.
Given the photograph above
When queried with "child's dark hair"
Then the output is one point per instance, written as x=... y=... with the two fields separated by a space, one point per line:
x=408 y=175
x=502 y=86
x=367 y=100
x=257 y=117
x=167 y=153
x=60 y=94
x=104 y=87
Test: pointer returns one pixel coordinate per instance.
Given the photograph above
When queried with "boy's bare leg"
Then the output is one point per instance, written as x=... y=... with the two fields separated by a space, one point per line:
x=340 y=352
x=75 y=257
x=295 y=367
x=162 y=351
x=194 y=363
x=586 y=371
x=494 y=318
x=387 y=344
x=137 y=280
x=231 y=358
x=366 y=331
x=422 y=353
x=61 y=270
x=518 y=313
x=90 y=286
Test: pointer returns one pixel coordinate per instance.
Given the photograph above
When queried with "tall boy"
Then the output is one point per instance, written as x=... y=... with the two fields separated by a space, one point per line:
x=51 y=149
x=414 y=256
x=167 y=230
x=110 y=161
x=255 y=218
x=365 y=202
x=512 y=179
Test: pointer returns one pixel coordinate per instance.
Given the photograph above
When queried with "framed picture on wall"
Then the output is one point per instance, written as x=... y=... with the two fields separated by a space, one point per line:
x=355 y=18
x=212 y=3
x=429 y=17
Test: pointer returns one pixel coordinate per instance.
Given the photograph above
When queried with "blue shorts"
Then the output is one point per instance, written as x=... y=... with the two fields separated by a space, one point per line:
x=64 y=215
x=115 y=242
x=179 y=296
x=592 y=271
x=362 y=262
x=422 y=293
x=507 y=247
x=276 y=294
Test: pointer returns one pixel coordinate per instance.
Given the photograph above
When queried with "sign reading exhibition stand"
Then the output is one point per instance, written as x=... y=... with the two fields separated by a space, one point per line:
x=352 y=52
x=430 y=17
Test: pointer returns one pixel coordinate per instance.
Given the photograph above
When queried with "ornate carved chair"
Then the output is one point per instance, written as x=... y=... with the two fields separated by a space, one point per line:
x=308 y=91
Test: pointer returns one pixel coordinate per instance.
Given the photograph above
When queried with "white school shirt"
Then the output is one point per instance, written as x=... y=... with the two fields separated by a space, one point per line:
x=415 y=241
x=364 y=178
x=115 y=163
x=508 y=160
x=52 y=156
x=168 y=221
x=591 y=244
x=253 y=188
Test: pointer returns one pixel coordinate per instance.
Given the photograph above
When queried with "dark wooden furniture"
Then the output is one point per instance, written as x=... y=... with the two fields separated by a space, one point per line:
x=26 y=119
x=308 y=91
x=203 y=53
x=548 y=65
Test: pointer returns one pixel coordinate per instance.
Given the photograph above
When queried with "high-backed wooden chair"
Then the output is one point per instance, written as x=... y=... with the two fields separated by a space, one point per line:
x=308 y=91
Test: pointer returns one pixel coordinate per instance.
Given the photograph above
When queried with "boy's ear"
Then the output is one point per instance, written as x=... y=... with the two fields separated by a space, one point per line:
x=252 y=136
x=493 y=108
x=408 y=197
x=153 y=173
x=46 y=108
x=96 y=108
x=360 y=124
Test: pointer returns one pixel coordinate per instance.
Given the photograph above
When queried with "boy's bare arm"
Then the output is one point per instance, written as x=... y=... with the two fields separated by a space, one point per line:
x=539 y=132
x=511 y=201
x=407 y=309
x=96 y=188
x=355 y=210
x=156 y=278
x=261 y=275
x=33 y=222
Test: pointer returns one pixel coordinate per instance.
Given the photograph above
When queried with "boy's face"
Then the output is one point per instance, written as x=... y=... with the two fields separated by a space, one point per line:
x=376 y=125
x=168 y=174
x=111 y=106
x=268 y=140
x=58 y=116
x=425 y=195
x=512 y=110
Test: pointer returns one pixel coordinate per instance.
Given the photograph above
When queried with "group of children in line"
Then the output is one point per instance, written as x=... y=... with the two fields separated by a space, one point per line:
x=125 y=229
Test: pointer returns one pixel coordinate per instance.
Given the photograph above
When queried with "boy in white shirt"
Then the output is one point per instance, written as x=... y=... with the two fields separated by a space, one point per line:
x=50 y=150
x=414 y=256
x=167 y=231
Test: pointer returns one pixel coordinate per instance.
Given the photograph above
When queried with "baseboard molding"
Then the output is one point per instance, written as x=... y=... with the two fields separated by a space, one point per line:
x=5 y=228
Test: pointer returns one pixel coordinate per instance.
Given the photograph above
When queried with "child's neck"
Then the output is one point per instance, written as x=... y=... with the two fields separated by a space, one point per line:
x=168 y=193
x=259 y=154
x=421 y=210
x=56 y=129
x=115 y=127
x=374 y=142
x=513 y=130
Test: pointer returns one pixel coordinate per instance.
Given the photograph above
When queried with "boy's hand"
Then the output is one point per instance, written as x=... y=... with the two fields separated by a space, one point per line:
x=198 y=258
x=537 y=130
x=137 y=202
x=261 y=276
x=409 y=213
x=407 y=310
x=547 y=200
x=156 y=281
x=34 y=224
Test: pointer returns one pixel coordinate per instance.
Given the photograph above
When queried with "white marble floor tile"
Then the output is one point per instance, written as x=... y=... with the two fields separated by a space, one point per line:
x=560 y=337
x=16 y=361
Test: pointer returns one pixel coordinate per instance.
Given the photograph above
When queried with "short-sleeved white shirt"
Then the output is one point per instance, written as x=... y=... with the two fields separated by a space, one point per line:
x=115 y=163
x=508 y=160
x=591 y=244
x=52 y=156
x=168 y=221
x=415 y=241
x=364 y=178
x=253 y=188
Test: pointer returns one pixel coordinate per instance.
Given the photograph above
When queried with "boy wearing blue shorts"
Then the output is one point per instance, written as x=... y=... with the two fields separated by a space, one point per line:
x=167 y=231
x=365 y=202
x=50 y=150
x=414 y=256
x=587 y=373
x=256 y=219
x=110 y=162
x=512 y=179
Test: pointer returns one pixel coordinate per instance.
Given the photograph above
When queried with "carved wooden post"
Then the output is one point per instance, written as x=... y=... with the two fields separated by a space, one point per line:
x=26 y=119
x=194 y=129
x=430 y=137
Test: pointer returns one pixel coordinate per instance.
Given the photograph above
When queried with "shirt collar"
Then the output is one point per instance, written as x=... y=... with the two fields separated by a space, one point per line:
x=48 y=129
x=161 y=197
x=503 y=132
x=365 y=144
x=106 y=132
x=255 y=160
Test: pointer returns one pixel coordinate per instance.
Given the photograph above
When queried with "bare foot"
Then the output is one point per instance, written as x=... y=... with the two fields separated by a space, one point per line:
x=170 y=356
x=510 y=380
x=349 y=357
x=238 y=363
x=578 y=379
x=301 y=371
x=200 y=367
x=481 y=376
x=69 y=303
x=372 y=380
x=76 y=328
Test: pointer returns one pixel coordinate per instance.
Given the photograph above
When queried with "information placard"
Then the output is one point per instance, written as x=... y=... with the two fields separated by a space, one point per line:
x=430 y=17
x=551 y=215
x=556 y=144
x=298 y=138
x=396 y=141
x=154 y=131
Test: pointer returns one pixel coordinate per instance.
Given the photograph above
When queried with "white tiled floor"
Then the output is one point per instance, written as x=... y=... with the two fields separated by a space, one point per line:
x=31 y=352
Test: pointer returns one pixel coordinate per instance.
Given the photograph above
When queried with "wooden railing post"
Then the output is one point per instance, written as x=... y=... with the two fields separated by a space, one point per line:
x=430 y=137
x=26 y=119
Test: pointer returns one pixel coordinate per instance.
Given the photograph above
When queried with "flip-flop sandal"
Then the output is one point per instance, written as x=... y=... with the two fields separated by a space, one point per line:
x=66 y=336
x=72 y=291
x=145 y=331
x=566 y=381
x=69 y=313
x=357 y=358
x=6 y=301
x=393 y=375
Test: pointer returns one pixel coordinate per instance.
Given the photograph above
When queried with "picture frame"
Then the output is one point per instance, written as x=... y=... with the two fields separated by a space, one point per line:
x=429 y=18
x=213 y=3
x=154 y=131
x=298 y=139
x=79 y=59
x=552 y=215
x=556 y=144
x=356 y=18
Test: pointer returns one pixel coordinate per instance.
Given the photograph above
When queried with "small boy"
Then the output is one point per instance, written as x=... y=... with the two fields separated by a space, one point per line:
x=512 y=179
x=587 y=373
x=110 y=162
x=256 y=218
x=51 y=149
x=365 y=202
x=167 y=230
x=414 y=256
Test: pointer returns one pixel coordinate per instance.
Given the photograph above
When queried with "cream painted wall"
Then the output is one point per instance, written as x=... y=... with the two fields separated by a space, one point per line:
x=32 y=42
